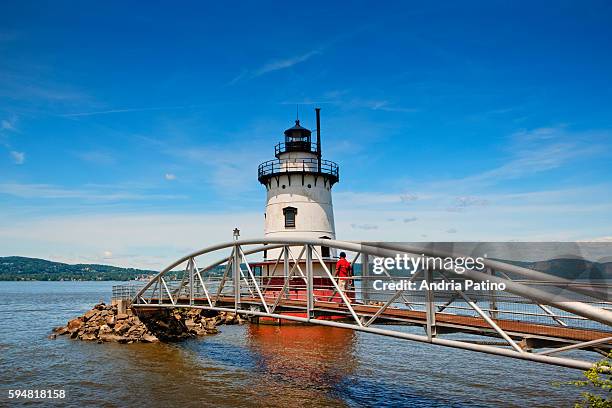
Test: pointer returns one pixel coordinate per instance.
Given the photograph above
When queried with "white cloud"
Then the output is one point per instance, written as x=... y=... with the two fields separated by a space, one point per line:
x=364 y=226
x=276 y=65
x=89 y=193
x=8 y=124
x=97 y=157
x=386 y=106
x=537 y=151
x=462 y=203
x=136 y=240
x=128 y=110
x=286 y=62
x=18 y=157
x=366 y=198
x=170 y=176
x=229 y=169
x=407 y=198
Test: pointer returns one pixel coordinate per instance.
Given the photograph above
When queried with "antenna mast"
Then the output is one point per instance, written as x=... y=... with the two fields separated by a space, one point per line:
x=318 y=112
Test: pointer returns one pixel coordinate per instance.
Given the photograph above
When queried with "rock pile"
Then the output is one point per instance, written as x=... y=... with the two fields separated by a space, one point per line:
x=103 y=323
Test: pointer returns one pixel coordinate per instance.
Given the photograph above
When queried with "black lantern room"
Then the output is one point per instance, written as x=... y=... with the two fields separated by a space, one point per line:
x=297 y=139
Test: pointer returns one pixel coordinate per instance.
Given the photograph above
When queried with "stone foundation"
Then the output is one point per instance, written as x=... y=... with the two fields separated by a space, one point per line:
x=106 y=323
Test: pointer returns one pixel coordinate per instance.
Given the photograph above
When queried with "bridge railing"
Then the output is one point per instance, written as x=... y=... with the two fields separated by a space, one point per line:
x=127 y=291
x=300 y=285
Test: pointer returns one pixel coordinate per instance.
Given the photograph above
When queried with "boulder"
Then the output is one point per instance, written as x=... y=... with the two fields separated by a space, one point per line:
x=121 y=328
x=190 y=323
x=90 y=314
x=88 y=336
x=121 y=316
x=74 y=324
x=149 y=338
x=110 y=338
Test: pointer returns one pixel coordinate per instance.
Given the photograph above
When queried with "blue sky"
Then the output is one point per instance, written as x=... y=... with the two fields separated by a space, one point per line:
x=130 y=135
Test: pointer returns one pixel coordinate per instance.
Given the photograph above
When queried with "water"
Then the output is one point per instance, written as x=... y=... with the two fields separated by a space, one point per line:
x=250 y=365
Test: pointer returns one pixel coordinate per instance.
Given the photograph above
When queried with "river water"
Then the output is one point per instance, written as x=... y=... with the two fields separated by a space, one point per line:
x=250 y=365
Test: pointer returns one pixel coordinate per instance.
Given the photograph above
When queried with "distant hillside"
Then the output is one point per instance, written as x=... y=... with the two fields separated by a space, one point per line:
x=16 y=268
x=570 y=268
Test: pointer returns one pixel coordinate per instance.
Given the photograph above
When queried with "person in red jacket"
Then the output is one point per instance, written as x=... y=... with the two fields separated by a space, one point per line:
x=343 y=271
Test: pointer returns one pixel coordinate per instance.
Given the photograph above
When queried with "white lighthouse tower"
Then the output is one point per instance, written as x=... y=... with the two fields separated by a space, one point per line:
x=298 y=184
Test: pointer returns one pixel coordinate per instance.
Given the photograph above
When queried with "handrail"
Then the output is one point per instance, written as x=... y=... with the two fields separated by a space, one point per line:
x=298 y=165
x=284 y=147
x=315 y=298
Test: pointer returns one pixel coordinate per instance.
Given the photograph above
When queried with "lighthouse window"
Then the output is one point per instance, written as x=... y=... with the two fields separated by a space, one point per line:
x=325 y=249
x=309 y=186
x=289 y=213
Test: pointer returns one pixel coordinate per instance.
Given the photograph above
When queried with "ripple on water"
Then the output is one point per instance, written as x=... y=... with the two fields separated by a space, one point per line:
x=264 y=366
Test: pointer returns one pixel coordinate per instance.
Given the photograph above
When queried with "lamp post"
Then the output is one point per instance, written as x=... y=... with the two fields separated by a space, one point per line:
x=236 y=234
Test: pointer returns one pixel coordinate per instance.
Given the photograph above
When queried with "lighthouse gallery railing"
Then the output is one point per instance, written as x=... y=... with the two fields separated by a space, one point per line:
x=306 y=165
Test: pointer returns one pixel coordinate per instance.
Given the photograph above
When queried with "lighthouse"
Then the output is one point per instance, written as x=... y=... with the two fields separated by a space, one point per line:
x=299 y=188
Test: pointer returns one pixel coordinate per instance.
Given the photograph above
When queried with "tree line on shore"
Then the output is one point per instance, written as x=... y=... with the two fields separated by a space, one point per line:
x=17 y=268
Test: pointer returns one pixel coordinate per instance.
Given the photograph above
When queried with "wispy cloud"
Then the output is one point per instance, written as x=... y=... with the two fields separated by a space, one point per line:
x=9 y=124
x=277 y=65
x=18 y=157
x=528 y=162
x=127 y=110
x=364 y=226
x=170 y=176
x=531 y=152
x=408 y=198
x=230 y=168
x=97 y=157
x=462 y=203
x=17 y=85
x=388 y=107
x=344 y=99
x=86 y=193
x=285 y=63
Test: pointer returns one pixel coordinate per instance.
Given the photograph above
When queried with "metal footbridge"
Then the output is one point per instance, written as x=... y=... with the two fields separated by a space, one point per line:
x=537 y=317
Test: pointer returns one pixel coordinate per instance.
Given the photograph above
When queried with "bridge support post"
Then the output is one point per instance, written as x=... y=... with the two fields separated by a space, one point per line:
x=430 y=306
x=492 y=298
x=309 y=282
x=236 y=277
x=190 y=270
x=286 y=271
x=365 y=278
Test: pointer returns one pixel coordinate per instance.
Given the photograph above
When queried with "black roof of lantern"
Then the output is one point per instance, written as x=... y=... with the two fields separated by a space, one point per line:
x=298 y=130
